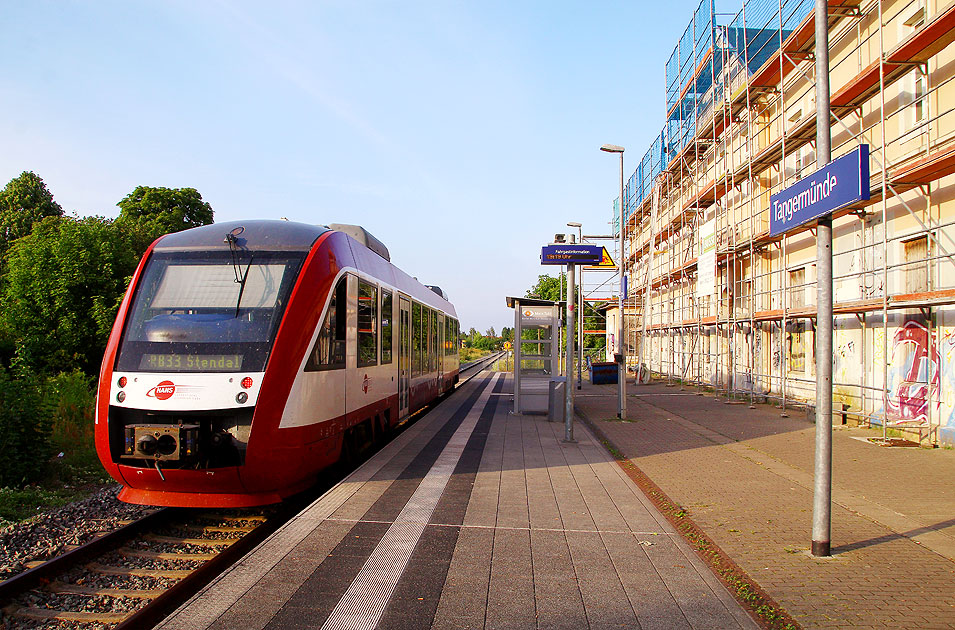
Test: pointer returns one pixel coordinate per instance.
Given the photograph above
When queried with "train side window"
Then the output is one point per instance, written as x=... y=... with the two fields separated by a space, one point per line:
x=447 y=335
x=433 y=354
x=417 y=338
x=440 y=349
x=329 y=350
x=386 y=326
x=367 y=324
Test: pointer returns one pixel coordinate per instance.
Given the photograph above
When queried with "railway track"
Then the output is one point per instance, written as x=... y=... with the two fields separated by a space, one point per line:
x=475 y=367
x=134 y=576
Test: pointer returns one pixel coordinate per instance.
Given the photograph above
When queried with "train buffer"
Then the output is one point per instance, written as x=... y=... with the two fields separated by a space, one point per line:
x=473 y=517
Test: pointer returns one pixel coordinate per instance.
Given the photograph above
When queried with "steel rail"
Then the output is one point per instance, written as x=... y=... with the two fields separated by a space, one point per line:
x=22 y=582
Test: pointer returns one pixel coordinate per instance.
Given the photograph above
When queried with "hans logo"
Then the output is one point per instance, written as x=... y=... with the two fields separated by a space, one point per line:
x=365 y=384
x=163 y=391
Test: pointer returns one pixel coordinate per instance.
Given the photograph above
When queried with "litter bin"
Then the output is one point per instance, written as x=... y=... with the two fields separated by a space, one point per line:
x=556 y=399
x=603 y=372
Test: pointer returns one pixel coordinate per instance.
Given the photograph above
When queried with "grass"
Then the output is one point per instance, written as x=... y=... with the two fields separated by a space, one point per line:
x=470 y=354
x=19 y=504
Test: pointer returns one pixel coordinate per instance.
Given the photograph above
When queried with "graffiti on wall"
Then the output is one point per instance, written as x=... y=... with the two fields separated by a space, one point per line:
x=913 y=375
x=845 y=362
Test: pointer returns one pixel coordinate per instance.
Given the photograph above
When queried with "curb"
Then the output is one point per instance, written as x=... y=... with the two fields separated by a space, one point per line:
x=761 y=607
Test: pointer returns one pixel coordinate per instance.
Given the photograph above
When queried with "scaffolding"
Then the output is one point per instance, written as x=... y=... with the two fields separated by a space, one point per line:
x=741 y=126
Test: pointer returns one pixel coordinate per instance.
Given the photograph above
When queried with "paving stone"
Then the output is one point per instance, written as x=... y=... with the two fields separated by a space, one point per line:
x=745 y=477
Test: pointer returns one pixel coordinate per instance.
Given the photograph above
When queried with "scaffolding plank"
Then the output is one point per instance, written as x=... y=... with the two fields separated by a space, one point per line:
x=922 y=298
x=928 y=41
x=934 y=166
x=865 y=85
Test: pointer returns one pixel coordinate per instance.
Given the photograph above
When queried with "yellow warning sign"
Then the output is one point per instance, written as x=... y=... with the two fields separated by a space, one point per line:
x=605 y=261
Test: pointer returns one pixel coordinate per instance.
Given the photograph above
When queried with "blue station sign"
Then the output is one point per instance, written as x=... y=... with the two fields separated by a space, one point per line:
x=837 y=184
x=571 y=254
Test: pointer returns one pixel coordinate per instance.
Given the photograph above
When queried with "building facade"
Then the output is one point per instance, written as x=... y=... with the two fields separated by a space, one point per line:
x=715 y=299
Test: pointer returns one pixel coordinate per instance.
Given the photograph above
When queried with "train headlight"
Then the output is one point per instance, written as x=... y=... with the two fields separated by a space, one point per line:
x=120 y=396
x=241 y=397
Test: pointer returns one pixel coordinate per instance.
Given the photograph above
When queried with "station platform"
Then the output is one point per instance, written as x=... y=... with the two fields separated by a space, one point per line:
x=474 y=517
x=744 y=476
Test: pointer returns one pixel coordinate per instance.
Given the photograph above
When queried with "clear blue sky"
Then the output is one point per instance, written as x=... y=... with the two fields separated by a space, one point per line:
x=462 y=134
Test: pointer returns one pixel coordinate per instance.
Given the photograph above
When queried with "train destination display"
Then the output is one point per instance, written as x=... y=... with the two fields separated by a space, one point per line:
x=191 y=362
x=571 y=254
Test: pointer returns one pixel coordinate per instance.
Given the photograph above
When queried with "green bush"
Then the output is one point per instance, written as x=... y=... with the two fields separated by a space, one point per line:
x=24 y=431
x=69 y=402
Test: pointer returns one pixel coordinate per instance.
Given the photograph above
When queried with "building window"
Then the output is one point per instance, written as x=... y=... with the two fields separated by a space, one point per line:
x=797 y=288
x=916 y=265
x=912 y=100
x=799 y=161
x=797 y=347
x=913 y=22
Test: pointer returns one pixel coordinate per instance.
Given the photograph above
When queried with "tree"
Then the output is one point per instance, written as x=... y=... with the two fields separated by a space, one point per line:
x=507 y=334
x=24 y=201
x=164 y=210
x=548 y=288
x=24 y=430
x=490 y=332
x=63 y=286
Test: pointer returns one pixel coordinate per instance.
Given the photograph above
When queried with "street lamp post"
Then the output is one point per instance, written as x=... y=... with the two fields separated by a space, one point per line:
x=622 y=365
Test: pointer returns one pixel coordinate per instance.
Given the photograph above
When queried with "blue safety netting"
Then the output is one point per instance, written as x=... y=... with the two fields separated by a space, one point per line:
x=708 y=58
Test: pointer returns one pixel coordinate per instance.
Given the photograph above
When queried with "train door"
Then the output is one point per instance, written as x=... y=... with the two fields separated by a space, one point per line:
x=404 y=355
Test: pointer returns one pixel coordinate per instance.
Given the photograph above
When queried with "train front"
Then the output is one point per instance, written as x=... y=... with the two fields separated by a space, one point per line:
x=184 y=368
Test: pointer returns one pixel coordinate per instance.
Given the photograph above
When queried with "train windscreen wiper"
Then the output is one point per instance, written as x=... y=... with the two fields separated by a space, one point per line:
x=232 y=238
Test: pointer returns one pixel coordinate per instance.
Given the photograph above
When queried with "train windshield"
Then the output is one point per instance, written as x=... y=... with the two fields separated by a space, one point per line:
x=207 y=313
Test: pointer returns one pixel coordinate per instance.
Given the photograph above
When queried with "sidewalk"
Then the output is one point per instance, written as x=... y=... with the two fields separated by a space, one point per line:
x=745 y=478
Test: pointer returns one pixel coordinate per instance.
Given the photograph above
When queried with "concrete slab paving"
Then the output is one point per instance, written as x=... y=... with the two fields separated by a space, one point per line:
x=528 y=532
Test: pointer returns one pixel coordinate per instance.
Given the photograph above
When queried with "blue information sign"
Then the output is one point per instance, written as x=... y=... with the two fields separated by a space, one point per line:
x=571 y=254
x=836 y=185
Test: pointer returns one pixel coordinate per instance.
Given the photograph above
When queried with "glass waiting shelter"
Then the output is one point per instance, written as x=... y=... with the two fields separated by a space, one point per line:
x=536 y=346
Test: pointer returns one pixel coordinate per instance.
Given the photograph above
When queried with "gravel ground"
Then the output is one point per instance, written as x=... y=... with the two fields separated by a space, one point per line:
x=45 y=535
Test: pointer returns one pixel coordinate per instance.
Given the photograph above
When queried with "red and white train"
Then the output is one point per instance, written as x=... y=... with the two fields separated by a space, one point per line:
x=247 y=357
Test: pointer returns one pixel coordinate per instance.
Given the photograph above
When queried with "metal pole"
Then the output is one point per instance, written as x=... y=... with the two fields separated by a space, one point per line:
x=560 y=298
x=518 y=409
x=580 y=329
x=580 y=311
x=622 y=343
x=569 y=369
x=822 y=495
x=621 y=266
